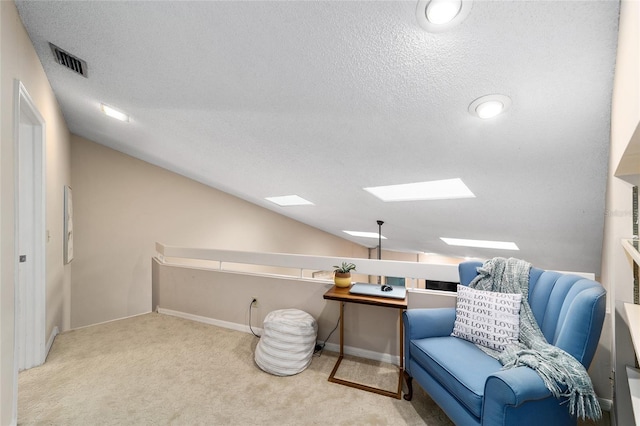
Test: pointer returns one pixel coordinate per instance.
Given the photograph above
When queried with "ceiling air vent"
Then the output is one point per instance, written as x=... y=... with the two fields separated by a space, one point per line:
x=66 y=59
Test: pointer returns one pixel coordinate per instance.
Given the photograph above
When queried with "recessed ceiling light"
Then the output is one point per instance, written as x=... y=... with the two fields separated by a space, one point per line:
x=114 y=113
x=365 y=234
x=501 y=245
x=489 y=106
x=442 y=11
x=434 y=190
x=441 y=15
x=289 y=200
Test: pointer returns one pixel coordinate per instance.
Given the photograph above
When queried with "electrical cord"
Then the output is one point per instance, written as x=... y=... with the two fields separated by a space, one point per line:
x=252 y=332
x=320 y=346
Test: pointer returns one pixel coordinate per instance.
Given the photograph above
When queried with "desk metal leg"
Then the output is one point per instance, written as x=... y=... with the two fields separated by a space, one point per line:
x=341 y=329
x=333 y=379
x=401 y=339
x=341 y=355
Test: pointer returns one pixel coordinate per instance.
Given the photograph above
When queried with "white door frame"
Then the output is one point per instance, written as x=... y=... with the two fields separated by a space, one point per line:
x=29 y=303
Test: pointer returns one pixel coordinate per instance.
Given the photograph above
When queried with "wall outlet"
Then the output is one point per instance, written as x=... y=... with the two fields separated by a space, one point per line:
x=254 y=303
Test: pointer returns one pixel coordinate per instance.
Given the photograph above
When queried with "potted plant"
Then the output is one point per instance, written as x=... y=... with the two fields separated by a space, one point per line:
x=342 y=274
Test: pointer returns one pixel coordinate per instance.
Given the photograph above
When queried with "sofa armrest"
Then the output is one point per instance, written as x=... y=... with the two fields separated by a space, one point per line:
x=432 y=322
x=519 y=396
x=515 y=386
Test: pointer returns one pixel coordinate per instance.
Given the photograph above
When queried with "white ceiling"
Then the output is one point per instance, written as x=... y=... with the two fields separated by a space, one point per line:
x=324 y=98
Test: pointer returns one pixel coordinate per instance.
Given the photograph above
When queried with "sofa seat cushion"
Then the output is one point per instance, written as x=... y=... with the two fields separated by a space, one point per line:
x=458 y=365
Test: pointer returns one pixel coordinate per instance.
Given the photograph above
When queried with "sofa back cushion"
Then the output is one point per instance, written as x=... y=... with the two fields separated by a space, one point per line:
x=566 y=307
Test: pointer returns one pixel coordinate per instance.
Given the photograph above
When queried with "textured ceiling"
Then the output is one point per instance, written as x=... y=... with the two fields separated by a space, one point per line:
x=321 y=99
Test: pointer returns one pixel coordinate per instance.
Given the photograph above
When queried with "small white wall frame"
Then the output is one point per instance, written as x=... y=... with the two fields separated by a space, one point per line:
x=68 y=225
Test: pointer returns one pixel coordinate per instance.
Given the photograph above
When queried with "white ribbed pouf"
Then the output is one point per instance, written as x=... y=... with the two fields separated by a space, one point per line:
x=287 y=342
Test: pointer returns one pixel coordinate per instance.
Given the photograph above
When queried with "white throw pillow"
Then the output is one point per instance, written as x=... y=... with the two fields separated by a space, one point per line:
x=487 y=318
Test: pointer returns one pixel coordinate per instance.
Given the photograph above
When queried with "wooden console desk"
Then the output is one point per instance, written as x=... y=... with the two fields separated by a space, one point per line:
x=343 y=296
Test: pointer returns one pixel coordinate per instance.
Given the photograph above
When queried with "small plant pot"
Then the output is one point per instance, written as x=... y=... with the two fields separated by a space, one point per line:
x=342 y=279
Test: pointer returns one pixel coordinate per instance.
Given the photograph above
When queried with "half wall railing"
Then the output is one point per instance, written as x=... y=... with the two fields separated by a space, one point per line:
x=217 y=287
x=301 y=266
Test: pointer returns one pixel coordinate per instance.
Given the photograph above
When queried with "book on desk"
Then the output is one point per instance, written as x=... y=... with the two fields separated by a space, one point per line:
x=365 y=289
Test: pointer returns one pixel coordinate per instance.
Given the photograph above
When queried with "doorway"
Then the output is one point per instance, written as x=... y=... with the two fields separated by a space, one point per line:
x=29 y=314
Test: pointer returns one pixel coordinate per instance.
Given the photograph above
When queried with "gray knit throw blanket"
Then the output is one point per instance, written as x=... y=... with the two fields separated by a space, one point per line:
x=562 y=374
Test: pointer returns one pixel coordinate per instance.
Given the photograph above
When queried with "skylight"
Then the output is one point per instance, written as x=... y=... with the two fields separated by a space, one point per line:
x=365 y=234
x=289 y=200
x=114 y=113
x=433 y=190
x=500 y=245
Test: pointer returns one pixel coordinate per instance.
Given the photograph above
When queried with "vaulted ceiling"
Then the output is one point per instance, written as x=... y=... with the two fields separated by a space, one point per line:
x=324 y=98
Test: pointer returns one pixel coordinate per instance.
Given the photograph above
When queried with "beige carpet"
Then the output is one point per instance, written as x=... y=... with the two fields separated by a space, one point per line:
x=160 y=370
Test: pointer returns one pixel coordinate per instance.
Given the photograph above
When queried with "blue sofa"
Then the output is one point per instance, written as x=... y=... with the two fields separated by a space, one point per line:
x=470 y=386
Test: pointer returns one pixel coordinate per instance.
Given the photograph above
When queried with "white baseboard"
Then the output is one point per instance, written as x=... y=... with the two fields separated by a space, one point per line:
x=107 y=322
x=363 y=353
x=210 y=321
x=52 y=337
x=349 y=350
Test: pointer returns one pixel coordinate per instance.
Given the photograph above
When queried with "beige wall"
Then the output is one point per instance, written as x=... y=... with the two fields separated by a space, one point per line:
x=616 y=266
x=123 y=206
x=18 y=60
x=370 y=331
